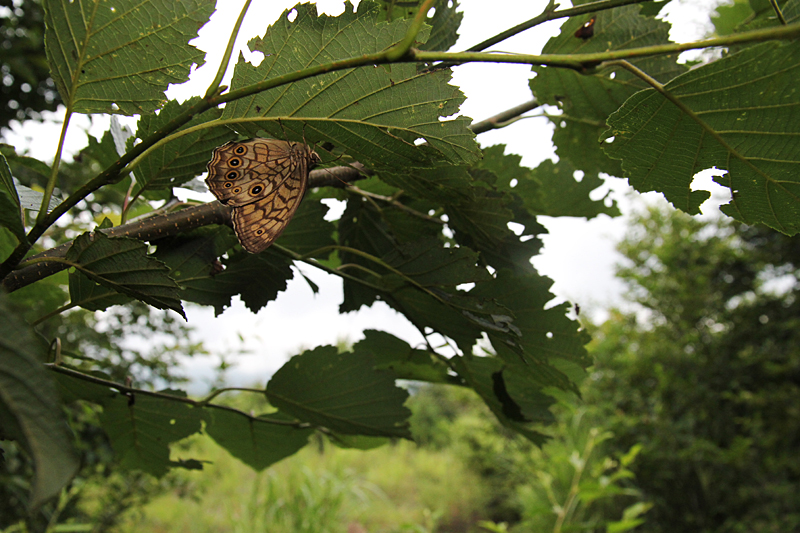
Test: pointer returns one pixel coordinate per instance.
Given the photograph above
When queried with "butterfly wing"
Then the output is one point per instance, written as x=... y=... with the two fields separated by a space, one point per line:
x=241 y=173
x=259 y=223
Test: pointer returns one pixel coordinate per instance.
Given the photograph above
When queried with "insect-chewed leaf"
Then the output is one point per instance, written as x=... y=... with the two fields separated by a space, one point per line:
x=588 y=100
x=375 y=114
x=123 y=265
x=181 y=159
x=749 y=128
x=119 y=57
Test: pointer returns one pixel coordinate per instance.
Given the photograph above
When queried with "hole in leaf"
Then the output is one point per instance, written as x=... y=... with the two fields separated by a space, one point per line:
x=256 y=57
x=578 y=175
x=549 y=335
x=419 y=141
x=516 y=227
x=431 y=12
x=609 y=140
x=513 y=183
x=612 y=75
x=292 y=15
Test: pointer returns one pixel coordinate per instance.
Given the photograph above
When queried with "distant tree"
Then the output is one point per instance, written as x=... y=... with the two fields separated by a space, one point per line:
x=26 y=88
x=705 y=373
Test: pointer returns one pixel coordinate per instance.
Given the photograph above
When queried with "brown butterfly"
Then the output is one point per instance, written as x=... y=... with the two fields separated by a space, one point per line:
x=263 y=180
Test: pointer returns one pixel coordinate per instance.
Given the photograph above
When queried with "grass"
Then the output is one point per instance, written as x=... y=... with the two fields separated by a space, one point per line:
x=397 y=488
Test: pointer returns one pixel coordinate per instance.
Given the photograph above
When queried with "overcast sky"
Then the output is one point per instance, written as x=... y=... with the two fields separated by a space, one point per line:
x=578 y=254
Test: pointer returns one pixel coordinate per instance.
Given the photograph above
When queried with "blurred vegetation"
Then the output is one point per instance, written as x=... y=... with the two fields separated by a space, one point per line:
x=704 y=373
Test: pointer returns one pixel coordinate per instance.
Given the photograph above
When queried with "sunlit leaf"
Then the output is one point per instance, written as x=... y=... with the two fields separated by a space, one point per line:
x=373 y=114
x=120 y=57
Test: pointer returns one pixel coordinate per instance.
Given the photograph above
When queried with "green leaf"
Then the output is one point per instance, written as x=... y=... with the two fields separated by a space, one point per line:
x=257 y=441
x=342 y=392
x=120 y=58
x=550 y=189
x=587 y=100
x=257 y=279
x=308 y=230
x=444 y=26
x=748 y=128
x=123 y=265
x=87 y=294
x=72 y=389
x=405 y=362
x=373 y=114
x=29 y=408
x=444 y=23
x=141 y=427
x=34 y=165
x=547 y=337
x=10 y=212
x=508 y=394
x=362 y=227
x=562 y=195
x=183 y=158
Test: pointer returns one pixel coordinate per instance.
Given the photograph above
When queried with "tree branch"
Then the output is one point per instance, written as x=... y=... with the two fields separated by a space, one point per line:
x=167 y=225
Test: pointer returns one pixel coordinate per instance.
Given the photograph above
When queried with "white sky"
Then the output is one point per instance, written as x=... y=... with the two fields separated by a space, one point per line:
x=578 y=254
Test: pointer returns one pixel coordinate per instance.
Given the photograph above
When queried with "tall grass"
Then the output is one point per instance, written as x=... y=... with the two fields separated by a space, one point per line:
x=394 y=489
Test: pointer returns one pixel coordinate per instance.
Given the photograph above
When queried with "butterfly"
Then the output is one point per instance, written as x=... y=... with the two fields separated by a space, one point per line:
x=263 y=180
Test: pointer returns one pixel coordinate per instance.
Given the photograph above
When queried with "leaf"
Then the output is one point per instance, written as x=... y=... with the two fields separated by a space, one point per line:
x=587 y=100
x=423 y=286
x=550 y=189
x=123 y=265
x=10 y=214
x=30 y=411
x=141 y=427
x=362 y=228
x=393 y=354
x=342 y=392
x=34 y=165
x=257 y=441
x=516 y=403
x=547 y=337
x=87 y=294
x=444 y=23
x=32 y=200
x=257 y=279
x=444 y=26
x=373 y=114
x=308 y=230
x=120 y=58
x=747 y=123
x=562 y=195
x=183 y=158
x=72 y=389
